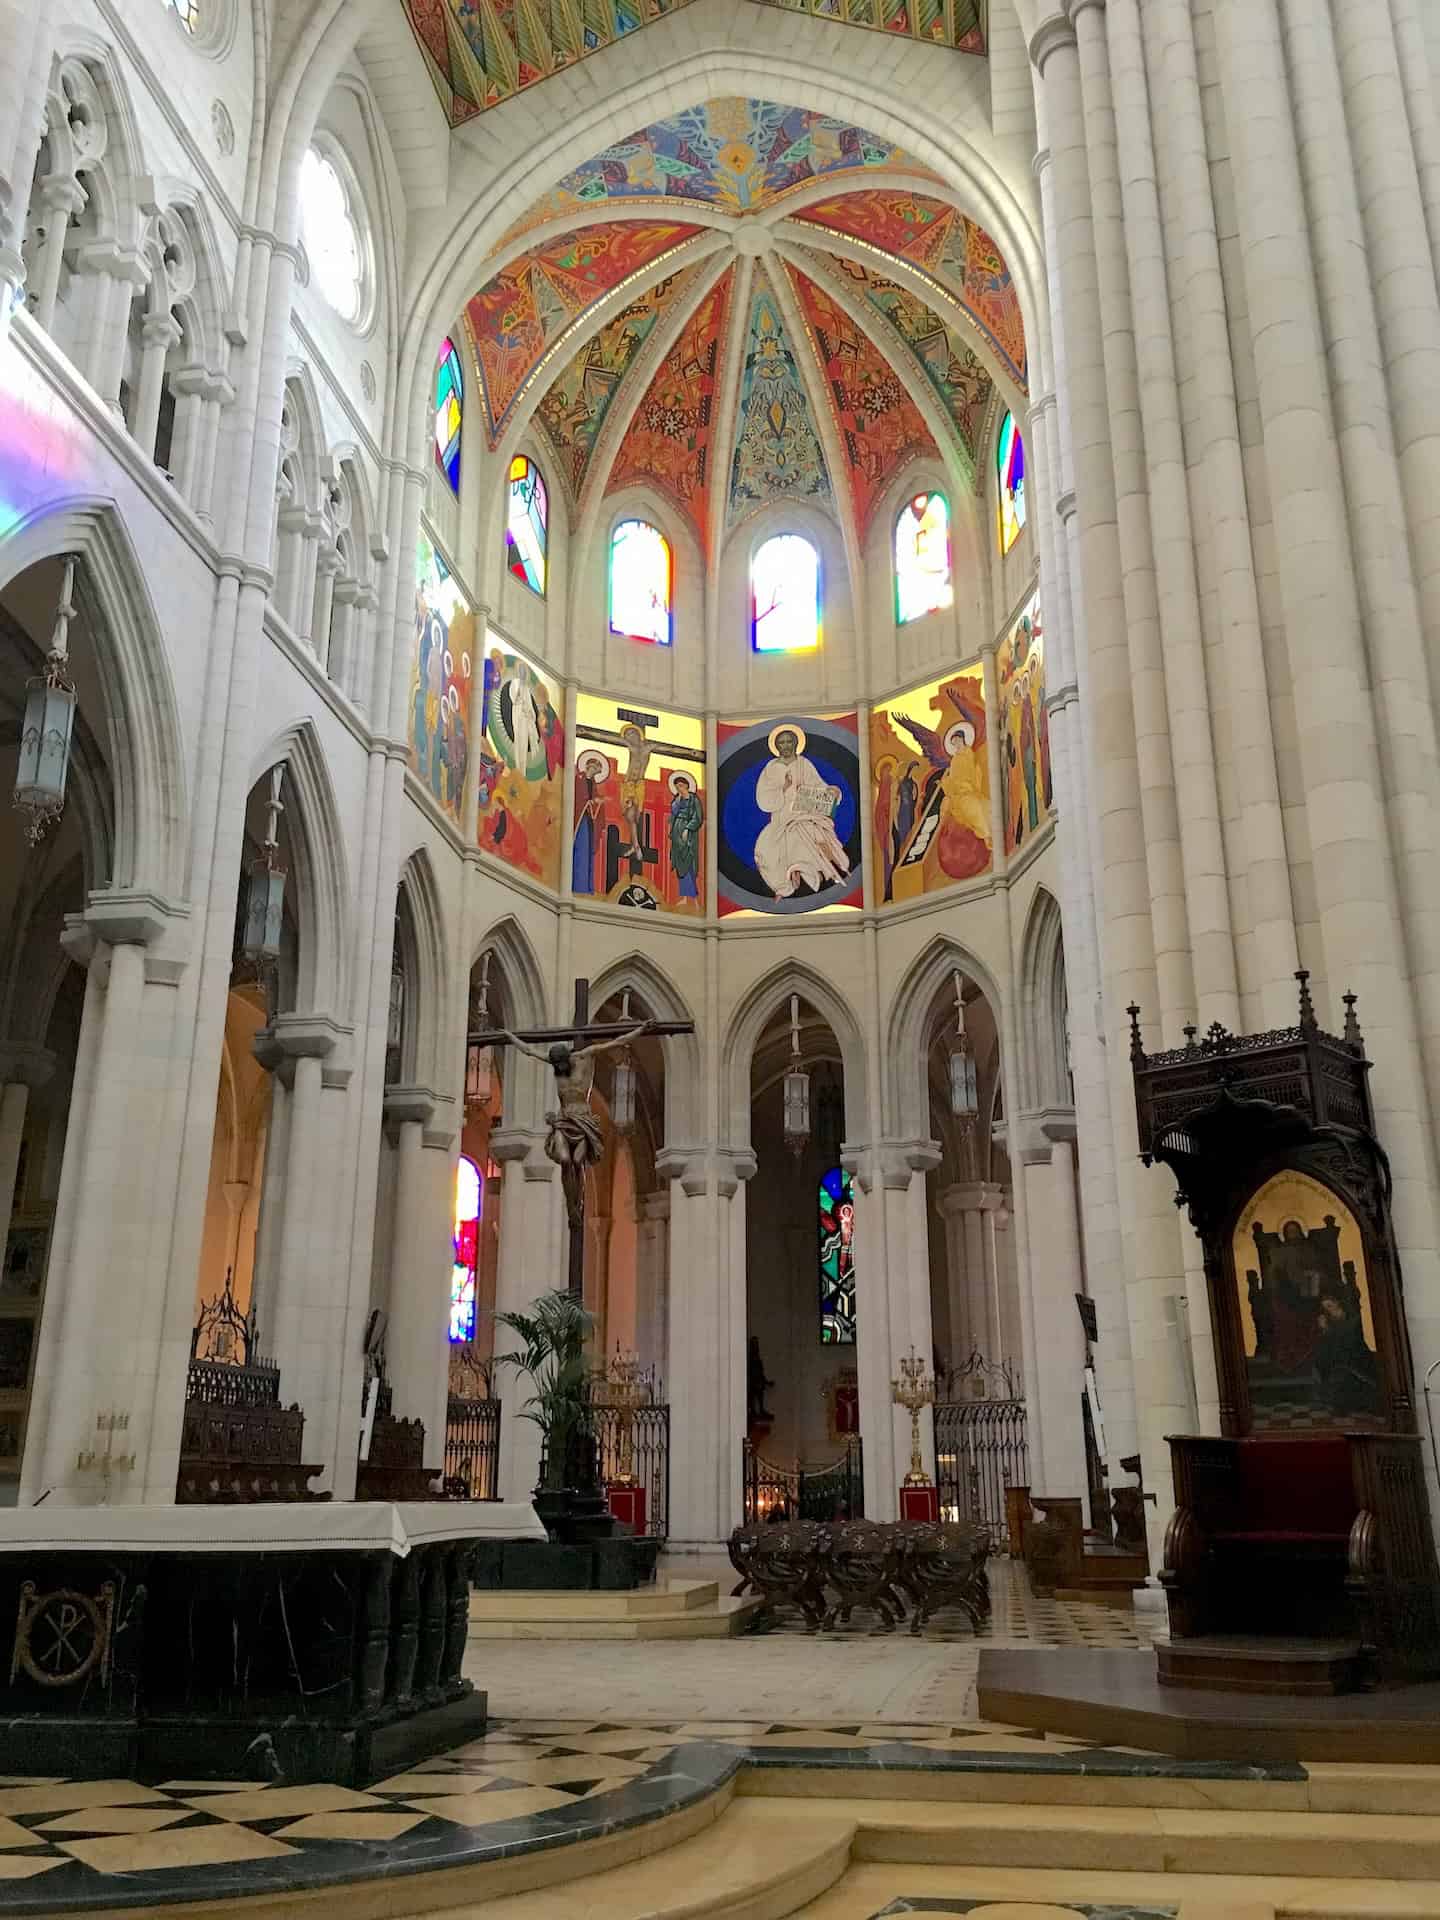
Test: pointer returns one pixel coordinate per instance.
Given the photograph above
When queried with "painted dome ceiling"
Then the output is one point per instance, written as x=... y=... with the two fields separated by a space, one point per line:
x=480 y=52
x=746 y=303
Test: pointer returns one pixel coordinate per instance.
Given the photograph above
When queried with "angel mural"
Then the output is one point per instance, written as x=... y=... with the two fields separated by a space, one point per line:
x=931 y=788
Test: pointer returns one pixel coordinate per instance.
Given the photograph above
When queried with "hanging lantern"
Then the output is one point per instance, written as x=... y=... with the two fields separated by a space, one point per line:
x=395 y=1023
x=964 y=1084
x=49 y=725
x=479 y=1054
x=622 y=1094
x=797 y=1089
x=265 y=903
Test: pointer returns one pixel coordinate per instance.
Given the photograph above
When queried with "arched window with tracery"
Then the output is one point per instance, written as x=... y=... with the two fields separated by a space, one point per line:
x=331 y=235
x=527 y=523
x=785 y=595
x=1010 y=472
x=837 y=1259
x=922 y=558
x=642 y=579
x=187 y=12
x=469 y=1204
x=449 y=411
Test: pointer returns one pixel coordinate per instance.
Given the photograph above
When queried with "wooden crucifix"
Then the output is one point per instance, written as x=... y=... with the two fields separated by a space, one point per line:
x=574 y=1140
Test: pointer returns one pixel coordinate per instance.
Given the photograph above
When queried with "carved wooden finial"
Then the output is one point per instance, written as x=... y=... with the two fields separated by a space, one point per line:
x=1137 y=1045
x=1352 y=1025
x=1307 y=1006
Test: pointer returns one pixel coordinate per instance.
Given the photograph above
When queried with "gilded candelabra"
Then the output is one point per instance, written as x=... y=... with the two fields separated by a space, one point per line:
x=625 y=1390
x=914 y=1390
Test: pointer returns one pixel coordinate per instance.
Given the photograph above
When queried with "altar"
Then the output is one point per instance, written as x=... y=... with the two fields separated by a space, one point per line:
x=279 y=1642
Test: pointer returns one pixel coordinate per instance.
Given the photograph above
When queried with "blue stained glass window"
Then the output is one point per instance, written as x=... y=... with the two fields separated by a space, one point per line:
x=526 y=524
x=785 y=595
x=1010 y=470
x=641 y=583
x=922 y=558
x=449 y=410
x=837 y=1260
x=469 y=1202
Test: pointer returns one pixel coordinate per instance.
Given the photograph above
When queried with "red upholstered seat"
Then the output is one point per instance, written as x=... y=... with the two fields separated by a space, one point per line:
x=1293 y=1490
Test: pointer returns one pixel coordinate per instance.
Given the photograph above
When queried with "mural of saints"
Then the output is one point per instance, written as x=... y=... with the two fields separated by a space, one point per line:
x=440 y=680
x=522 y=760
x=930 y=788
x=1025 y=737
x=789 y=814
x=638 y=836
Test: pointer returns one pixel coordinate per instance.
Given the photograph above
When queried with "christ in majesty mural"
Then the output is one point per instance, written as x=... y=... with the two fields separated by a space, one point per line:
x=638 y=835
x=789 y=814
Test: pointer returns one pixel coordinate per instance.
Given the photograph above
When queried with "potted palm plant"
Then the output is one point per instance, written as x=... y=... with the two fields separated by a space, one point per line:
x=554 y=1356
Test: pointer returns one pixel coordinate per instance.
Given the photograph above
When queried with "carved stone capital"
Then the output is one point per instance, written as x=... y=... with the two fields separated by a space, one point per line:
x=1050 y=37
x=22 y=1063
x=407 y=1105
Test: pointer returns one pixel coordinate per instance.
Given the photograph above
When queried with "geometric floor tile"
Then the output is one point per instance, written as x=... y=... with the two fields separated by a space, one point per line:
x=269 y=1803
x=186 y=1847
x=108 y=1820
x=480 y=1809
x=350 y=1826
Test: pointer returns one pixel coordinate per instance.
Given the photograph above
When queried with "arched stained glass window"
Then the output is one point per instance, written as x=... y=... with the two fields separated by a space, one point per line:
x=526 y=524
x=642 y=578
x=187 y=12
x=1010 y=468
x=469 y=1203
x=837 y=1260
x=449 y=408
x=785 y=595
x=922 y=558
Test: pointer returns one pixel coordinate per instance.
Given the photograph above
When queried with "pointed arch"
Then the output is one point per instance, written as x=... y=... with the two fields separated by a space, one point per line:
x=748 y=1021
x=907 y=1090
x=142 y=731
x=1044 y=1008
x=114 y=177
x=661 y=999
x=524 y=1082
x=309 y=432
x=423 y=1062
x=319 y=876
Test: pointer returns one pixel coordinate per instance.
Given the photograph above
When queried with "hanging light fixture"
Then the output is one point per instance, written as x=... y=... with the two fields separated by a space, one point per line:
x=395 y=1022
x=964 y=1084
x=480 y=1056
x=622 y=1092
x=265 y=902
x=49 y=724
x=797 y=1089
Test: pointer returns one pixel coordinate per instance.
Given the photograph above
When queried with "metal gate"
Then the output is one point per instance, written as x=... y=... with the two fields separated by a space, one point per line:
x=472 y=1448
x=634 y=1445
x=832 y=1492
x=981 y=1449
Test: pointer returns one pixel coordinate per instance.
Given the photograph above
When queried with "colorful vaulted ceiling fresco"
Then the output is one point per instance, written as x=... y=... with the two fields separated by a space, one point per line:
x=480 y=52
x=777 y=344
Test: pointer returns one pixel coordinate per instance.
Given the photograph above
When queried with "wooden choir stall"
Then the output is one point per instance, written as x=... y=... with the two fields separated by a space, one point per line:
x=1299 y=1558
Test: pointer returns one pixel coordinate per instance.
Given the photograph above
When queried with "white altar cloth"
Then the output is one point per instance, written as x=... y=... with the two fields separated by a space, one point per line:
x=269 y=1527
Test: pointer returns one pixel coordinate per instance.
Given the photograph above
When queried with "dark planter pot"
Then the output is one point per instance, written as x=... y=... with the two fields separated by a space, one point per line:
x=574 y=1516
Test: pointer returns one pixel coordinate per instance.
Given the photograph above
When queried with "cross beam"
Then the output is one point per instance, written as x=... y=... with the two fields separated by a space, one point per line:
x=581 y=1031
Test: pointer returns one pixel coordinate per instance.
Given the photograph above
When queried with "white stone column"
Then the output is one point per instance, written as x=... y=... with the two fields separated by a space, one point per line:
x=417 y=1355
x=269 y=1233
x=904 y=1277
x=189 y=386
x=327 y=567
x=522 y=1275
x=652 y=1332
x=159 y=332
x=1046 y=1154
x=875 y=1359
x=109 y=276
x=294 y=1284
x=25 y=34
x=962 y=1338
x=61 y=199
x=218 y=396
x=23 y=1070
x=290 y=525
x=1007 y=1280
x=1422 y=97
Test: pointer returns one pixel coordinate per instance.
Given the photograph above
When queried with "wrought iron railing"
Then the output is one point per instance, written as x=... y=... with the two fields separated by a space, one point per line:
x=634 y=1449
x=981 y=1450
x=472 y=1448
x=832 y=1491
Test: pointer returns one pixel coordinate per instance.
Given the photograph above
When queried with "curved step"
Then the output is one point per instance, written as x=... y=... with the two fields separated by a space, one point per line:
x=665 y=1596
x=551 y=1620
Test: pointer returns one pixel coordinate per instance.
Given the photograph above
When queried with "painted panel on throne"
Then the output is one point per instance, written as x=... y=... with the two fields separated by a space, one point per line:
x=1306 y=1323
x=522 y=764
x=638 y=833
x=440 y=680
x=788 y=806
x=1029 y=792
x=930 y=788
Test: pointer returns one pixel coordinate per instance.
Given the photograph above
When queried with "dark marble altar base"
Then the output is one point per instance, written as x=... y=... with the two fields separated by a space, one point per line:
x=1116 y=1697
x=545 y=1566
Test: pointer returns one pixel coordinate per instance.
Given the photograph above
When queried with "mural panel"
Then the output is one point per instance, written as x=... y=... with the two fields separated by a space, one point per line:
x=638 y=835
x=522 y=764
x=930 y=788
x=516 y=316
x=1025 y=736
x=1305 y=1316
x=440 y=680
x=788 y=795
x=777 y=449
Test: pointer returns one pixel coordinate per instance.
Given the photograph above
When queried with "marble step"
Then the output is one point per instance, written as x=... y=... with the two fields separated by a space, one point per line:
x=717 y=1621
x=666 y=1596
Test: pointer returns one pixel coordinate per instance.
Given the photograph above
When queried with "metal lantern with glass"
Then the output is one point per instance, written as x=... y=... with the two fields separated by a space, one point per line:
x=265 y=902
x=479 y=1054
x=49 y=725
x=797 y=1088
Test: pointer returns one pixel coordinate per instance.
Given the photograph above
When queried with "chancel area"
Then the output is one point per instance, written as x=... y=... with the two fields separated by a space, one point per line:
x=719 y=977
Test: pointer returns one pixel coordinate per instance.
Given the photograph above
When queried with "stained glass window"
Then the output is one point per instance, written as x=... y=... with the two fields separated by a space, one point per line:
x=922 y=558
x=785 y=595
x=526 y=524
x=1010 y=467
x=332 y=241
x=449 y=405
x=469 y=1201
x=187 y=12
x=642 y=578
x=837 y=1260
